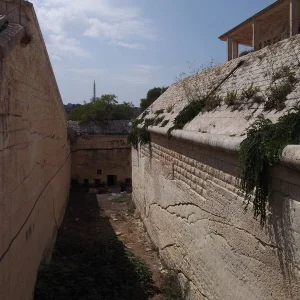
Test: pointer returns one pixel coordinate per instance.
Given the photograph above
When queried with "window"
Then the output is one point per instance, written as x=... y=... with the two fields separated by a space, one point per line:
x=99 y=172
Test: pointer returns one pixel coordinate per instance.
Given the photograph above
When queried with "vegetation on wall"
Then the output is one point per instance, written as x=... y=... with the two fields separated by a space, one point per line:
x=139 y=129
x=231 y=98
x=277 y=92
x=248 y=93
x=260 y=150
x=169 y=109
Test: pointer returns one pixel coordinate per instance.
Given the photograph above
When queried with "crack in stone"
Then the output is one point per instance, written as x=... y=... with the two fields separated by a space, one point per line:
x=217 y=221
x=168 y=246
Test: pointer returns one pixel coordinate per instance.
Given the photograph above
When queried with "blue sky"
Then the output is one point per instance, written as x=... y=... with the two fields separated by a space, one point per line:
x=130 y=46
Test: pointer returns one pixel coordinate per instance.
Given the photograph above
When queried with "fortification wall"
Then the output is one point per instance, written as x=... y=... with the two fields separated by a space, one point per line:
x=34 y=158
x=186 y=189
x=96 y=157
x=187 y=197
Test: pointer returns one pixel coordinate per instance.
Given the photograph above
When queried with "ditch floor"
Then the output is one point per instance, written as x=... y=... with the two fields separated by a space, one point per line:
x=102 y=252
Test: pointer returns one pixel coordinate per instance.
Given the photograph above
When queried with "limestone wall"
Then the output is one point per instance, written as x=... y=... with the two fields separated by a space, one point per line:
x=257 y=70
x=34 y=159
x=109 y=154
x=185 y=188
x=187 y=196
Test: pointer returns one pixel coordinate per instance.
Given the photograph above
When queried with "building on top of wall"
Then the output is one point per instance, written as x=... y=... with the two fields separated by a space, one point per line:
x=101 y=157
x=277 y=22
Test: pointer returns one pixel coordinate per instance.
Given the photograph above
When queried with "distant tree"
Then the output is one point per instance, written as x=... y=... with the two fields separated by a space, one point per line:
x=70 y=106
x=152 y=95
x=110 y=99
x=104 y=108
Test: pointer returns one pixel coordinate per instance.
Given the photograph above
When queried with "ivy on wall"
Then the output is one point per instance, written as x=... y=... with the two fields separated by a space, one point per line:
x=139 y=130
x=260 y=150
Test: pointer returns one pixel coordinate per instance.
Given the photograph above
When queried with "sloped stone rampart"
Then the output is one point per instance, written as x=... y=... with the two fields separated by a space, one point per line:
x=258 y=69
x=34 y=159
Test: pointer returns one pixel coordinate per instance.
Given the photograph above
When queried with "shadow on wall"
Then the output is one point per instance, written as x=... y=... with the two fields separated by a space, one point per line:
x=279 y=228
x=89 y=262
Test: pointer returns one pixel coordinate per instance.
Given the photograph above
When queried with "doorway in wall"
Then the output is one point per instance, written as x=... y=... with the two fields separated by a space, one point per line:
x=111 y=180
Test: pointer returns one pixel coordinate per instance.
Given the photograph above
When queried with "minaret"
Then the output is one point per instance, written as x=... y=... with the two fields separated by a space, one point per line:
x=94 y=98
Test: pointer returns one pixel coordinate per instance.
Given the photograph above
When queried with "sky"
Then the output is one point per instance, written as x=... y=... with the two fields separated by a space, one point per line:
x=131 y=46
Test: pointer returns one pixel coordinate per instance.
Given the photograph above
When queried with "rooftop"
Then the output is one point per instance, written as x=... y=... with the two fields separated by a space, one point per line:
x=268 y=17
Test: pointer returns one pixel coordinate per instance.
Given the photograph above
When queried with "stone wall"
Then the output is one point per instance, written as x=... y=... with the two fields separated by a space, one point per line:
x=185 y=188
x=109 y=154
x=187 y=195
x=34 y=158
x=257 y=70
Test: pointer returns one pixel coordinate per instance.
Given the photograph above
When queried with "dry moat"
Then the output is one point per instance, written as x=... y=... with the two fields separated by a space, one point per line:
x=103 y=252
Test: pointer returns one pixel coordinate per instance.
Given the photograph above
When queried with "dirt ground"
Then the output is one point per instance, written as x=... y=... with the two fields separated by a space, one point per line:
x=130 y=230
x=102 y=252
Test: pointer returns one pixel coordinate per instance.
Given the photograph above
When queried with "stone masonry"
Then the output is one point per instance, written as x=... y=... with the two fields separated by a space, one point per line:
x=100 y=152
x=186 y=191
x=34 y=157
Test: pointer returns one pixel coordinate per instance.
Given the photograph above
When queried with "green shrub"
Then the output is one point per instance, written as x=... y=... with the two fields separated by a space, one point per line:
x=189 y=112
x=212 y=102
x=277 y=93
x=249 y=93
x=170 y=108
x=140 y=135
x=283 y=72
x=231 y=98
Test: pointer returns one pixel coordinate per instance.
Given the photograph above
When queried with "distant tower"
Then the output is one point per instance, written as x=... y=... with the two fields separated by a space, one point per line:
x=94 y=98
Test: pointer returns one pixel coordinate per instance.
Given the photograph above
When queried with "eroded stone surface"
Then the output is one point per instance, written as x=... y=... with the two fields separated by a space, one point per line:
x=187 y=196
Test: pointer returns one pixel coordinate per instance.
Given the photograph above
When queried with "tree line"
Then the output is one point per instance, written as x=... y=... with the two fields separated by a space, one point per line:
x=107 y=107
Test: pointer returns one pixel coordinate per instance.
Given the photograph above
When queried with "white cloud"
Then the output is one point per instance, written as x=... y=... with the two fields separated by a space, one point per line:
x=128 y=45
x=61 y=45
x=69 y=20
